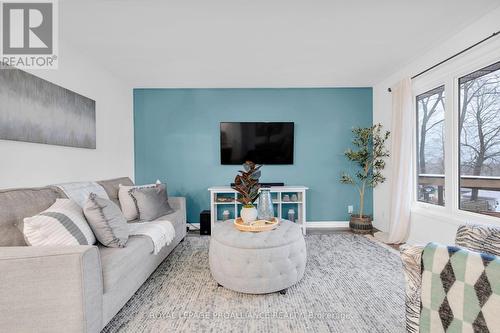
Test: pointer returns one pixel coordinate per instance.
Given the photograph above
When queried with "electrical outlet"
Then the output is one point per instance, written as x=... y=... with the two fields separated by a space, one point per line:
x=350 y=209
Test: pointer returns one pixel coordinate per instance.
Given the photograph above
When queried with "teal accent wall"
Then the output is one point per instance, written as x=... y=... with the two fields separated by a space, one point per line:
x=177 y=141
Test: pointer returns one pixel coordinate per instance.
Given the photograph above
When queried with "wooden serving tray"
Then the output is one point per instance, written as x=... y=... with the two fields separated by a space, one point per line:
x=256 y=226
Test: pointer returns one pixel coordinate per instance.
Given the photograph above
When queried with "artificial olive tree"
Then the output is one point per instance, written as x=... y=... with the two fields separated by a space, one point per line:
x=368 y=156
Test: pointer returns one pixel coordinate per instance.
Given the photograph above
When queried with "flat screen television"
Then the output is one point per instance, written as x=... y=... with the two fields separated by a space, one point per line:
x=262 y=143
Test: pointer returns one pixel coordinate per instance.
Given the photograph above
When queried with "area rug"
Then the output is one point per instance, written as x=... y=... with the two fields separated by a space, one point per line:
x=351 y=284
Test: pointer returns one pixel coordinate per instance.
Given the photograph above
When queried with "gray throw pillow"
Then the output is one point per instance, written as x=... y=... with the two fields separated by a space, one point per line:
x=107 y=221
x=151 y=202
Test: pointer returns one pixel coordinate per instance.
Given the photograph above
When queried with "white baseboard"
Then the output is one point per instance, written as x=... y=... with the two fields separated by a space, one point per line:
x=309 y=225
x=327 y=224
x=193 y=226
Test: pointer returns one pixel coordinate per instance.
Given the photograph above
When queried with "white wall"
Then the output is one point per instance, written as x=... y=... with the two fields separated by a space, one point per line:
x=32 y=164
x=428 y=226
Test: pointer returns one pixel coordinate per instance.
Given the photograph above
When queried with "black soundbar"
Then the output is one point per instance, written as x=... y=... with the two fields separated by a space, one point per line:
x=266 y=184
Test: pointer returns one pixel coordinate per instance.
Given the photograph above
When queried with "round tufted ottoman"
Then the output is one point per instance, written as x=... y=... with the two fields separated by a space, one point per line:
x=257 y=263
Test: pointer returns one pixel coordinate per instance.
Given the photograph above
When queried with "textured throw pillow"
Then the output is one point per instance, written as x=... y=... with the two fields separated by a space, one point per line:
x=63 y=223
x=107 y=221
x=127 y=202
x=79 y=191
x=151 y=202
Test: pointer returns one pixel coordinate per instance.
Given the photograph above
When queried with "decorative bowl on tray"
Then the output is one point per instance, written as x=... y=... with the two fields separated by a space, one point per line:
x=256 y=226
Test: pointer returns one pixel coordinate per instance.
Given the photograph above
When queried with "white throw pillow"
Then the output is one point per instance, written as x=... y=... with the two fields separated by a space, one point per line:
x=127 y=202
x=63 y=223
x=79 y=191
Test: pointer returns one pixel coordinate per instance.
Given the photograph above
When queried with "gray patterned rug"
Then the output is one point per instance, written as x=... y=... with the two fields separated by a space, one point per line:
x=351 y=284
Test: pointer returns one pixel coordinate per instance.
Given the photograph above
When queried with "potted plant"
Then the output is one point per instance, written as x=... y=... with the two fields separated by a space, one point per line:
x=368 y=157
x=247 y=185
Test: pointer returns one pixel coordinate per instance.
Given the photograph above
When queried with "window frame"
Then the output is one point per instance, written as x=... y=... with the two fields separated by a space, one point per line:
x=448 y=75
x=416 y=138
x=458 y=139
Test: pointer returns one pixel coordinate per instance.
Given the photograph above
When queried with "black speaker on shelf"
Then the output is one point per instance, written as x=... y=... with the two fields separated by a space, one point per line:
x=205 y=222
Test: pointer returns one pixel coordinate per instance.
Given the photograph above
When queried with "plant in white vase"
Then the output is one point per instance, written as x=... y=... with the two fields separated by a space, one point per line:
x=247 y=185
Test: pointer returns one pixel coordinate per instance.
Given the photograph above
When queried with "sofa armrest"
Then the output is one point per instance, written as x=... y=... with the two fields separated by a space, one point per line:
x=479 y=237
x=50 y=289
x=411 y=256
x=178 y=203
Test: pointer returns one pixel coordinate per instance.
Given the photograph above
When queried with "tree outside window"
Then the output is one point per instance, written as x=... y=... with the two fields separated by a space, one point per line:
x=430 y=146
x=479 y=133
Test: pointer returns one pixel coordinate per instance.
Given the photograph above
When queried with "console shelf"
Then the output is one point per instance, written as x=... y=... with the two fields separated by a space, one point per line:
x=224 y=198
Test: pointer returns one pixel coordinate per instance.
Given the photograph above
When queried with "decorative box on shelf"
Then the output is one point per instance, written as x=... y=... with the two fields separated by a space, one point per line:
x=289 y=203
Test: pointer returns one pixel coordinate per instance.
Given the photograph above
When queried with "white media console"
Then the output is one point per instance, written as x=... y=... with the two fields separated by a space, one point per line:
x=223 y=198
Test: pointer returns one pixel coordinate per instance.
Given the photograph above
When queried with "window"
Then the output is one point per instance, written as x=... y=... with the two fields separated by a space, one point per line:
x=479 y=135
x=430 y=146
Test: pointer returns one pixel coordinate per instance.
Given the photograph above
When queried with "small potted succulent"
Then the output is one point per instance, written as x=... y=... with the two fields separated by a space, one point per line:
x=247 y=185
x=369 y=160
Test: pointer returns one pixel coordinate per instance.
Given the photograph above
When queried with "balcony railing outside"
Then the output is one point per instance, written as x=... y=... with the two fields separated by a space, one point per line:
x=431 y=190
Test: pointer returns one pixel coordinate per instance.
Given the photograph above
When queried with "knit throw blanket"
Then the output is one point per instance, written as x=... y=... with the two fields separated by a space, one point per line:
x=460 y=290
x=161 y=233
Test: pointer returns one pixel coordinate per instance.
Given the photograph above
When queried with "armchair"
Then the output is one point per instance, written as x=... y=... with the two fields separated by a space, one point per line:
x=478 y=238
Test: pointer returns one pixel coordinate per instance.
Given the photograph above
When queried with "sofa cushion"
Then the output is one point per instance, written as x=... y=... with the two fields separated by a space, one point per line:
x=79 y=191
x=111 y=186
x=479 y=237
x=107 y=221
x=63 y=223
x=175 y=217
x=117 y=263
x=460 y=290
x=411 y=256
x=16 y=204
x=151 y=202
x=127 y=202
x=115 y=298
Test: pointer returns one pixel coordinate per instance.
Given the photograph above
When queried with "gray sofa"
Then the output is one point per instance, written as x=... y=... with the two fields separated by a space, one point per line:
x=71 y=288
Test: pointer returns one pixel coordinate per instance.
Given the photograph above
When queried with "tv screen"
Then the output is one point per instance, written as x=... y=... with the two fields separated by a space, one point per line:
x=262 y=143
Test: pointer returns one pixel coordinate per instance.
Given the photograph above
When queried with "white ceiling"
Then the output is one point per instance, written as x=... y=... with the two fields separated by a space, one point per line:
x=260 y=43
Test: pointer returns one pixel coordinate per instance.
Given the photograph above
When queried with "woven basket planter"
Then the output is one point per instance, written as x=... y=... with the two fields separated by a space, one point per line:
x=361 y=225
